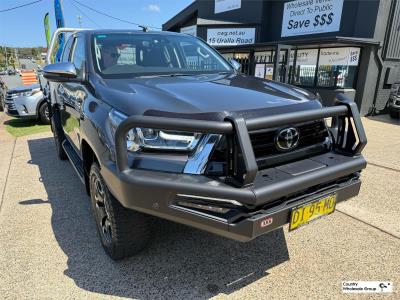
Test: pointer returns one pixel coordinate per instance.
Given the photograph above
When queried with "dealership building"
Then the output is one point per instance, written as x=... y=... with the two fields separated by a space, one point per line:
x=326 y=46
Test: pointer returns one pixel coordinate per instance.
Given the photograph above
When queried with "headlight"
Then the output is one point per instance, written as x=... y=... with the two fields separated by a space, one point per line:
x=28 y=93
x=155 y=139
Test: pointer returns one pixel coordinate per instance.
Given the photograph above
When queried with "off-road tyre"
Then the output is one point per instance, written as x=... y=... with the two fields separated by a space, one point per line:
x=58 y=135
x=123 y=232
x=394 y=114
x=44 y=113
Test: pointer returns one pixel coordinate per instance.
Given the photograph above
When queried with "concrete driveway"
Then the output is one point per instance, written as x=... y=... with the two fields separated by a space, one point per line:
x=49 y=246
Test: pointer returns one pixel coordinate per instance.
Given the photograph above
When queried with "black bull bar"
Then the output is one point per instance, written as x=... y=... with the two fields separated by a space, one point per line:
x=346 y=129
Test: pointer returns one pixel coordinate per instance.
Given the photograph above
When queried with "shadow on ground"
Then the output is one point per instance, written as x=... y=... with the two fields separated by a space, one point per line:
x=182 y=262
x=385 y=119
x=25 y=126
x=21 y=123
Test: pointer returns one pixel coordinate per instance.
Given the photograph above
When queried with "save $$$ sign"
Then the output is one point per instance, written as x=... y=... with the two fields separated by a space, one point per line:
x=303 y=17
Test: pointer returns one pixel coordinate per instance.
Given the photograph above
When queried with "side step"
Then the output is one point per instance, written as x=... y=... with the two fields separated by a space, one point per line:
x=74 y=159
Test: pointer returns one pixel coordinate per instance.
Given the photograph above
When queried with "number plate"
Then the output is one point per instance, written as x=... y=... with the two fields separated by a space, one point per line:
x=311 y=211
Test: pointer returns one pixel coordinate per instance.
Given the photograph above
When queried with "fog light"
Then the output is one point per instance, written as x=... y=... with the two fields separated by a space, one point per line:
x=220 y=210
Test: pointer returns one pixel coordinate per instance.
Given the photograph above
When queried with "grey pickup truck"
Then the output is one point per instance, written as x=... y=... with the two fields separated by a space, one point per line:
x=159 y=124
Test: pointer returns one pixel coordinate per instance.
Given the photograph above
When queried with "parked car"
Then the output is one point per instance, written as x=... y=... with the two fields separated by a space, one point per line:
x=3 y=72
x=27 y=102
x=394 y=101
x=159 y=123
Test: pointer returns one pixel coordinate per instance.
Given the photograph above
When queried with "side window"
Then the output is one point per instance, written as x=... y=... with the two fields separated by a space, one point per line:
x=78 y=55
x=67 y=50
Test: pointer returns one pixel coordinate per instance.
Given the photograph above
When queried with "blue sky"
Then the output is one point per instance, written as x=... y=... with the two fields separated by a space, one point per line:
x=23 y=27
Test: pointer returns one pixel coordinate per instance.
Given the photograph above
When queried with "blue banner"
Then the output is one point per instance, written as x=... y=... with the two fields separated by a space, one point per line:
x=60 y=23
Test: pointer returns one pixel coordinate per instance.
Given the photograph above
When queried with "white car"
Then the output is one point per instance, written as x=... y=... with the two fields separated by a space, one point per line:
x=27 y=102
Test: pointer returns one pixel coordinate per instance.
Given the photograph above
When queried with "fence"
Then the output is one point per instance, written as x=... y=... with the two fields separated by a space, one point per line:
x=302 y=75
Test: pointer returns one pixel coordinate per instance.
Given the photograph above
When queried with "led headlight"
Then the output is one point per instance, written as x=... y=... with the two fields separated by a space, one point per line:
x=155 y=139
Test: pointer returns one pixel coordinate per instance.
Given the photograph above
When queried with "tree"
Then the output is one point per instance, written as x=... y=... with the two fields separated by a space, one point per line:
x=34 y=52
x=2 y=58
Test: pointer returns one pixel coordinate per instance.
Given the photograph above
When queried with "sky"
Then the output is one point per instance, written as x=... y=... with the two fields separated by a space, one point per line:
x=23 y=27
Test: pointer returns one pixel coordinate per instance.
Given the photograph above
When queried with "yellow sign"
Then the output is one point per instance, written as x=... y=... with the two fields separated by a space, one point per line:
x=312 y=211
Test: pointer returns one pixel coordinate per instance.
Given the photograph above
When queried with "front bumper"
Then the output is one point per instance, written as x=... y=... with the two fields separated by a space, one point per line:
x=23 y=106
x=273 y=195
x=251 y=196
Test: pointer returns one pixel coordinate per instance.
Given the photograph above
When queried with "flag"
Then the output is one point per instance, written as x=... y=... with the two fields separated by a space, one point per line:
x=47 y=30
x=60 y=23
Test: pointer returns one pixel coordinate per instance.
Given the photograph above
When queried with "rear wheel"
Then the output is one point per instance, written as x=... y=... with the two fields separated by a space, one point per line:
x=123 y=232
x=44 y=113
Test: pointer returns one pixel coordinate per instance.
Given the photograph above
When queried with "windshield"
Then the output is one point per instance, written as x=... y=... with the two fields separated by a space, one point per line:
x=120 y=55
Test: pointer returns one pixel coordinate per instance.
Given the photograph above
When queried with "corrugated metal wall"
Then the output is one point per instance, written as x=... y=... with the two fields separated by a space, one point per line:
x=393 y=41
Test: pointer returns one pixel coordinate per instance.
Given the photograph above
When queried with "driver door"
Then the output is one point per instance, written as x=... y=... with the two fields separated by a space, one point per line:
x=73 y=95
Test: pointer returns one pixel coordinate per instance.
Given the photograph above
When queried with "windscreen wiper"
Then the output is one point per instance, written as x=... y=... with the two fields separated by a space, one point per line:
x=167 y=75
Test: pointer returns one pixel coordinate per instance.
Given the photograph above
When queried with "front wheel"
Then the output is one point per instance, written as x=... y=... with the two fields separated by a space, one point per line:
x=123 y=232
x=44 y=113
x=1 y=101
x=394 y=114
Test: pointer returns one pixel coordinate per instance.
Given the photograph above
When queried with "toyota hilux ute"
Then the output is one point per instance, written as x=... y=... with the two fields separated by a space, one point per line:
x=160 y=124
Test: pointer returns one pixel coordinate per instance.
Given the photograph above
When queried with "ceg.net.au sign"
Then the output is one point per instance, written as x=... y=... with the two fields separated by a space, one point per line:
x=230 y=36
x=303 y=17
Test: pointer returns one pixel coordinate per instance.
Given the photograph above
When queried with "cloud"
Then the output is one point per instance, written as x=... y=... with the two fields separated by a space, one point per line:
x=153 y=7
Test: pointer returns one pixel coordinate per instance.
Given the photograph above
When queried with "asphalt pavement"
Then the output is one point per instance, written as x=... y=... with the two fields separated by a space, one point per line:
x=28 y=63
x=12 y=81
x=49 y=246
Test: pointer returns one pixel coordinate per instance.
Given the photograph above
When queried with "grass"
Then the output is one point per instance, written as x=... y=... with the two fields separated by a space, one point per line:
x=22 y=127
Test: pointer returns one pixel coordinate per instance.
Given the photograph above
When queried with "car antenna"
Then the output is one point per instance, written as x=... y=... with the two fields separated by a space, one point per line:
x=144 y=28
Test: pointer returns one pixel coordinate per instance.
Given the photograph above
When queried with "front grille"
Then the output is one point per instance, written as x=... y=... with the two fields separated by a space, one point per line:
x=9 y=101
x=310 y=133
x=13 y=112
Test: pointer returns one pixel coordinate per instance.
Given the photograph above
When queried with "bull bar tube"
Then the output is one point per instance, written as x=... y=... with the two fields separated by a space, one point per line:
x=255 y=201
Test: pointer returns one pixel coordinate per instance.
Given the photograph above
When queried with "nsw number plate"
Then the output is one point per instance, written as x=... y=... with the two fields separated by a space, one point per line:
x=311 y=211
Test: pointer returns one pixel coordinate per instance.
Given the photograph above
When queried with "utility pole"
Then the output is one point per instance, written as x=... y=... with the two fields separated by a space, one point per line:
x=5 y=47
x=79 y=17
x=16 y=56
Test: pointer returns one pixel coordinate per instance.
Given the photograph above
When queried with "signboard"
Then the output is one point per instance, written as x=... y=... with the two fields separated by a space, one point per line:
x=260 y=70
x=269 y=71
x=301 y=17
x=354 y=56
x=339 y=56
x=230 y=36
x=192 y=30
x=226 y=5
x=264 y=71
x=305 y=57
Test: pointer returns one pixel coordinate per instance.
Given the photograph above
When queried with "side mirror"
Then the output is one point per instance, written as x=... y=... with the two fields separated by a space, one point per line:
x=60 y=72
x=235 y=64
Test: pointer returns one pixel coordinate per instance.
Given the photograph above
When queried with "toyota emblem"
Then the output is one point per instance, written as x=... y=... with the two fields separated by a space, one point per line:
x=287 y=139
